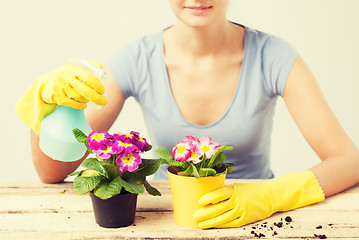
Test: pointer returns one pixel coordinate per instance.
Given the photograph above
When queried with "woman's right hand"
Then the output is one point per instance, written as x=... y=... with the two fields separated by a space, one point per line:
x=72 y=86
x=69 y=85
x=51 y=171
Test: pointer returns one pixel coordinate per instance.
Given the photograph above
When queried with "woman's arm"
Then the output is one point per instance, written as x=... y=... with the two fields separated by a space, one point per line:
x=52 y=171
x=243 y=203
x=339 y=168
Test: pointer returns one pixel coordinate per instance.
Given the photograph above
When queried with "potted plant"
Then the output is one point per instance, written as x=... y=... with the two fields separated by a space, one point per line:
x=196 y=167
x=115 y=176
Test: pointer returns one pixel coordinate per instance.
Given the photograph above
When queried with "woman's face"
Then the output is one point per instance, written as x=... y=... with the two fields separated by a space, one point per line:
x=199 y=13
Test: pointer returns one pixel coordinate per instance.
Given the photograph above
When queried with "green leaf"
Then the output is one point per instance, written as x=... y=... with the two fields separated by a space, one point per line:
x=79 y=135
x=223 y=167
x=204 y=172
x=218 y=151
x=89 y=162
x=115 y=186
x=219 y=159
x=151 y=190
x=94 y=164
x=132 y=185
x=132 y=177
x=89 y=173
x=109 y=188
x=180 y=165
x=75 y=173
x=148 y=167
x=84 y=185
x=167 y=158
x=110 y=170
x=102 y=190
x=229 y=167
x=163 y=161
x=191 y=171
x=164 y=153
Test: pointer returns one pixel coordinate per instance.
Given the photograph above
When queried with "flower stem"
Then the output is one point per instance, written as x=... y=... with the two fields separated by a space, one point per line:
x=117 y=171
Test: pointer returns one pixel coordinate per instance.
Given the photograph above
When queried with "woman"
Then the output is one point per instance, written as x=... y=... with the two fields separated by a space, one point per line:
x=207 y=76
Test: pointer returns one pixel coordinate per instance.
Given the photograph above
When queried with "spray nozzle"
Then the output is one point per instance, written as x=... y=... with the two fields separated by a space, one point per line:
x=90 y=66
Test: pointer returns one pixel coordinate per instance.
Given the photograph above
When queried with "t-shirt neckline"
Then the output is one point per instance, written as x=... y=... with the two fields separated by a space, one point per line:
x=169 y=90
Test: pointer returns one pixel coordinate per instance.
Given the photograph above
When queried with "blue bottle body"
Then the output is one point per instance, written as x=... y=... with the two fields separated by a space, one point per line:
x=56 y=137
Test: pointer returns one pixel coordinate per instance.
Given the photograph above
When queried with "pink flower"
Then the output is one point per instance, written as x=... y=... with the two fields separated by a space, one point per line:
x=192 y=149
x=206 y=147
x=129 y=162
x=120 y=147
x=123 y=137
x=99 y=140
x=182 y=151
x=139 y=141
x=104 y=153
x=194 y=158
x=134 y=138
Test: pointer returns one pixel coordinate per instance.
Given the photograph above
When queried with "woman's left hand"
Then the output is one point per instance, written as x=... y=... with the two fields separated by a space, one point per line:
x=243 y=203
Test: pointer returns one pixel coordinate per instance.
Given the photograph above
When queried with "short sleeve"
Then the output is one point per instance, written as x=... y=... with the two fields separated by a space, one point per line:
x=123 y=66
x=278 y=57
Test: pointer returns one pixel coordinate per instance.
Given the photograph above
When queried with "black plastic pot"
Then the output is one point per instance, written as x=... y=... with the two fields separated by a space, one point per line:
x=117 y=211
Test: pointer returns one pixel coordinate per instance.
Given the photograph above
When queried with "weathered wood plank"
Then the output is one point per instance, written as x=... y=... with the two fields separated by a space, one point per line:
x=31 y=187
x=36 y=187
x=32 y=210
x=161 y=225
x=71 y=202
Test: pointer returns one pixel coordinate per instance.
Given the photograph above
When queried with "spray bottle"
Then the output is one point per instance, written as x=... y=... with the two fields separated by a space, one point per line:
x=56 y=137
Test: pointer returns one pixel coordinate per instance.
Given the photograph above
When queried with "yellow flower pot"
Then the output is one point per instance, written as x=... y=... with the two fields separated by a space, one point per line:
x=185 y=194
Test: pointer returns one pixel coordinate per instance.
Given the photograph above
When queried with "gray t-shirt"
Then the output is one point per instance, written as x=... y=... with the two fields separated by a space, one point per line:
x=140 y=71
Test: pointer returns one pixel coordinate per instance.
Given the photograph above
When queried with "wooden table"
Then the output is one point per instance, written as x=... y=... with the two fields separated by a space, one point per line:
x=32 y=210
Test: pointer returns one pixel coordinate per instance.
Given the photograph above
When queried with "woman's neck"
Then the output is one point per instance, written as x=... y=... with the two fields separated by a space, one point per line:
x=205 y=41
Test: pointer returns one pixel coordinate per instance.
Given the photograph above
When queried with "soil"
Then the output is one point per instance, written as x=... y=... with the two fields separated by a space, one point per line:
x=262 y=230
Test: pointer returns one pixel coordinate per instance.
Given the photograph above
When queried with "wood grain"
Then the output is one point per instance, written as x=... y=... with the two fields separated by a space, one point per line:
x=32 y=210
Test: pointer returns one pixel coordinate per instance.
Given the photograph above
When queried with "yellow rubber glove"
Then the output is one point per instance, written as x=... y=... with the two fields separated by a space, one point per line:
x=243 y=203
x=69 y=85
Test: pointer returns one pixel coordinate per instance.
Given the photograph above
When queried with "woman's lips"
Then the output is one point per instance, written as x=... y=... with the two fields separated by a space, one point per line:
x=198 y=10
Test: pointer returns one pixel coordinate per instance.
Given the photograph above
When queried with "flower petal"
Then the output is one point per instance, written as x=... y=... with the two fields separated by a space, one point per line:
x=99 y=140
x=129 y=162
